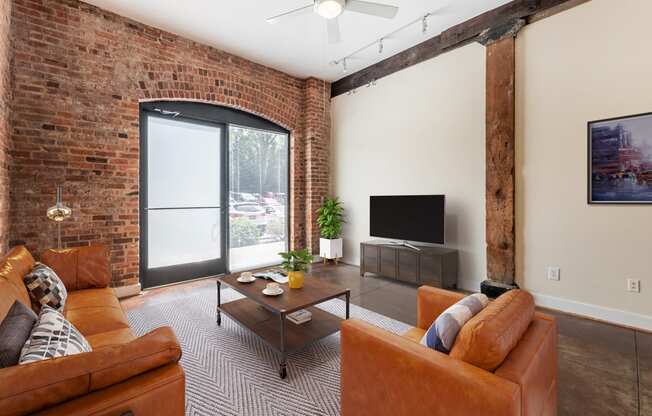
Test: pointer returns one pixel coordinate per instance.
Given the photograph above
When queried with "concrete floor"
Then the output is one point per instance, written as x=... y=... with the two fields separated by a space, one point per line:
x=603 y=369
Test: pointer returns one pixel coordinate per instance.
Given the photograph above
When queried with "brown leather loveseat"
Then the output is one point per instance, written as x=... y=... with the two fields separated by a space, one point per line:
x=503 y=363
x=122 y=375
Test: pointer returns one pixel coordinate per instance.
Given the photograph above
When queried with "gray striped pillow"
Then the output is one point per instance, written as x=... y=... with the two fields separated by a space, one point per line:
x=442 y=333
x=53 y=336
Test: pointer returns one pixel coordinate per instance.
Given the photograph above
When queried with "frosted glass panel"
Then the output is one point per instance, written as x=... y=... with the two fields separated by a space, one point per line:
x=183 y=164
x=182 y=236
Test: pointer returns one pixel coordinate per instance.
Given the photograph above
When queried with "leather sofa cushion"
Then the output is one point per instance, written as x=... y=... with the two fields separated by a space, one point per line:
x=8 y=295
x=13 y=266
x=92 y=298
x=487 y=339
x=115 y=337
x=414 y=334
x=80 y=267
x=95 y=320
x=95 y=311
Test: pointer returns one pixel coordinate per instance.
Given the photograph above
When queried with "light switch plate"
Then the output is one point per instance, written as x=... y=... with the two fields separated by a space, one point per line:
x=633 y=285
x=554 y=273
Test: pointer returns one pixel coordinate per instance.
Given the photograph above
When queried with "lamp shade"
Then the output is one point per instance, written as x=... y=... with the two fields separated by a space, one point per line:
x=59 y=211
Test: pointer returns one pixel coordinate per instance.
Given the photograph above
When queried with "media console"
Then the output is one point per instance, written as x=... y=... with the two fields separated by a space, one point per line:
x=434 y=266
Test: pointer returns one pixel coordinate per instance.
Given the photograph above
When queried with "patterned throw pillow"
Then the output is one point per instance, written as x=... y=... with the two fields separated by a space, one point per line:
x=53 y=336
x=45 y=287
x=442 y=333
x=14 y=331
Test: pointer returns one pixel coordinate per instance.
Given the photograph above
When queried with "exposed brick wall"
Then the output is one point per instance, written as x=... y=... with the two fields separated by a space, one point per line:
x=80 y=73
x=5 y=101
x=318 y=126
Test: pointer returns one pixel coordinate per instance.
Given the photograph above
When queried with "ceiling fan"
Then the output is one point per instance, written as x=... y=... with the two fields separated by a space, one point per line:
x=331 y=9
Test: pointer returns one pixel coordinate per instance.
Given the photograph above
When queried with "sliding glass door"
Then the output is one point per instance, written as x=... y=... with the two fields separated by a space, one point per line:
x=182 y=203
x=213 y=191
x=258 y=197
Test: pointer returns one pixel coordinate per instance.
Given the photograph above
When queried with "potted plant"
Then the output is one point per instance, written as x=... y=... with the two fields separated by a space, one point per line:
x=330 y=220
x=296 y=263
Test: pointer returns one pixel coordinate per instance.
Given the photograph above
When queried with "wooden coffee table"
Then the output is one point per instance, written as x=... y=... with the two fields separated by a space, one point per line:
x=265 y=316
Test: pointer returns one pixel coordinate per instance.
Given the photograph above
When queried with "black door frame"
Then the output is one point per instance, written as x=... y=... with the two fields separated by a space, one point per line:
x=216 y=116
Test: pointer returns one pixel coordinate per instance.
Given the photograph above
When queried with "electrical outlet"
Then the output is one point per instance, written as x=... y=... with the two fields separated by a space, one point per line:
x=633 y=285
x=554 y=273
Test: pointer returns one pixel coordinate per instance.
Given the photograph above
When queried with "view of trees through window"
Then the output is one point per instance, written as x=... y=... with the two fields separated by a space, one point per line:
x=258 y=183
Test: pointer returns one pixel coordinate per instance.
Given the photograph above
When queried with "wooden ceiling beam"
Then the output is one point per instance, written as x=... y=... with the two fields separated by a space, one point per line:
x=455 y=37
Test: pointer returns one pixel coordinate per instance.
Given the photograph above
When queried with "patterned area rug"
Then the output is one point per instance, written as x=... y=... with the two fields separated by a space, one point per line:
x=229 y=371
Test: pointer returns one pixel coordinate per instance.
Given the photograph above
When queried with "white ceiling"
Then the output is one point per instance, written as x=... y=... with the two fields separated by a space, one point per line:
x=297 y=46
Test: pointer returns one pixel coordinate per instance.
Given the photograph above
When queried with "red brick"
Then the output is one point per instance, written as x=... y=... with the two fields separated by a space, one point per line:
x=79 y=74
x=5 y=129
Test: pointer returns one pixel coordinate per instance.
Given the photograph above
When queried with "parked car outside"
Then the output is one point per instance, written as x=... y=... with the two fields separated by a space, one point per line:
x=252 y=211
x=243 y=197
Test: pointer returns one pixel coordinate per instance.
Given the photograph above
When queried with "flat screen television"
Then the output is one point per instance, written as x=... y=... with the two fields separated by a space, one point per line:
x=408 y=217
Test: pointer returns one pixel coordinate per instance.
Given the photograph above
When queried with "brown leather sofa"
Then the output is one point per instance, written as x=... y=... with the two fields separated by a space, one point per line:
x=503 y=362
x=123 y=375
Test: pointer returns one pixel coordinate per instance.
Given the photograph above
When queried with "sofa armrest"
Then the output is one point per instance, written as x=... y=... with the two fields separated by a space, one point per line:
x=30 y=387
x=385 y=374
x=431 y=302
x=80 y=268
x=533 y=365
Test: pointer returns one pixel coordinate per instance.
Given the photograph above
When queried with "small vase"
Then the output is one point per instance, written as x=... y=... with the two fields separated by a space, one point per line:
x=295 y=280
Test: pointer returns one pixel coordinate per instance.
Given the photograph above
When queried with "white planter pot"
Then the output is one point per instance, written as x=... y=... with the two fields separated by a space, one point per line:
x=330 y=249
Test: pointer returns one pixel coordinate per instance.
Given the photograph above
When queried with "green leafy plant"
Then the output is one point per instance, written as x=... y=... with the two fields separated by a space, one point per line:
x=296 y=261
x=244 y=232
x=330 y=217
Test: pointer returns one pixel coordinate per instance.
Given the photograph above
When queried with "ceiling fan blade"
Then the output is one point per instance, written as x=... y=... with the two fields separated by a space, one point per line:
x=375 y=9
x=291 y=13
x=333 y=26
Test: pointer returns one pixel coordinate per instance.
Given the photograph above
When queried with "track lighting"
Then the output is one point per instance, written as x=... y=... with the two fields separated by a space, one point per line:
x=380 y=42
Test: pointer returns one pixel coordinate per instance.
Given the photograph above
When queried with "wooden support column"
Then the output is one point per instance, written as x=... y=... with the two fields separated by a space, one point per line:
x=500 y=131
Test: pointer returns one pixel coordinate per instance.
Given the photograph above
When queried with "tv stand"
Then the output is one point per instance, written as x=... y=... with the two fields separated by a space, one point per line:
x=404 y=244
x=420 y=265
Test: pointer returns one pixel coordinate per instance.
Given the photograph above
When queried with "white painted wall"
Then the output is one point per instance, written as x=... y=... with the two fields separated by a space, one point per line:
x=422 y=131
x=419 y=131
x=591 y=62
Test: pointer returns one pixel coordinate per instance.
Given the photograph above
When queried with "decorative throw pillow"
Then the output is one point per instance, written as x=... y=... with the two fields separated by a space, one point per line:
x=45 y=287
x=52 y=337
x=442 y=333
x=14 y=331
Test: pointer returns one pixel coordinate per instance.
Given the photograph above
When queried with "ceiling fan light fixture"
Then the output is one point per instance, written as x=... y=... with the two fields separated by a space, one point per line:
x=329 y=9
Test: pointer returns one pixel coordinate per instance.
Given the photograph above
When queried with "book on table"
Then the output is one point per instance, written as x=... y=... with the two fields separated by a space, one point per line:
x=274 y=275
x=300 y=316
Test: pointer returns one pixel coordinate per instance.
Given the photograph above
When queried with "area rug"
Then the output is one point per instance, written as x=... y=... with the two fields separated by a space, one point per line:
x=229 y=371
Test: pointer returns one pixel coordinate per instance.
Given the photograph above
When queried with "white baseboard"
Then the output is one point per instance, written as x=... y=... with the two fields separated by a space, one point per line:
x=126 y=291
x=601 y=313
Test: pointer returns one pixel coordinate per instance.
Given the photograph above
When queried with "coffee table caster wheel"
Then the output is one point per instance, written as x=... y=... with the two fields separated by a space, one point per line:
x=283 y=372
